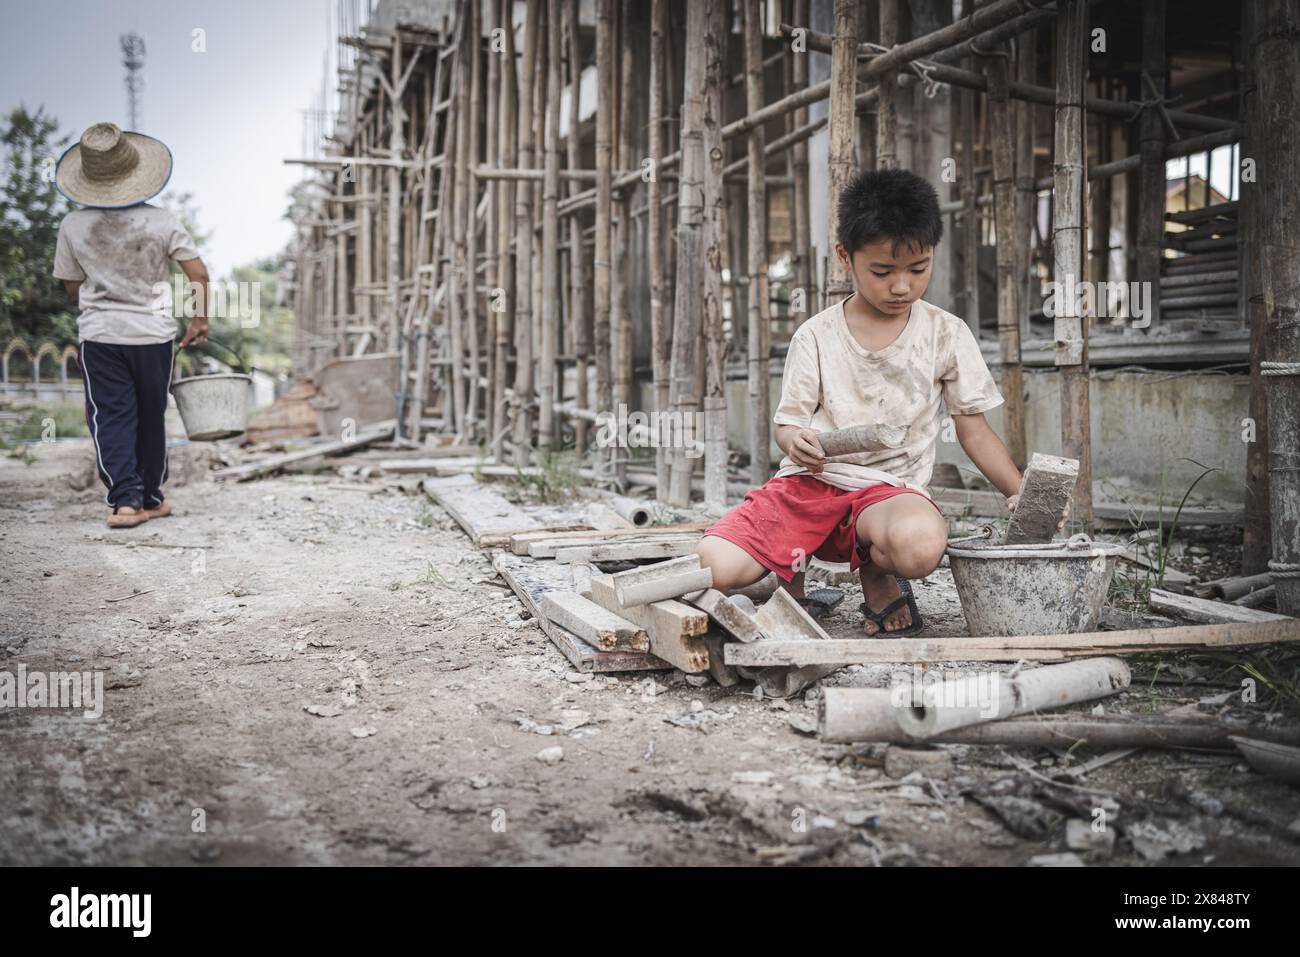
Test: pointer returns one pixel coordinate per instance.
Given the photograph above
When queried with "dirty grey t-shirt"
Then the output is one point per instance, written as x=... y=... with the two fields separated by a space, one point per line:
x=122 y=256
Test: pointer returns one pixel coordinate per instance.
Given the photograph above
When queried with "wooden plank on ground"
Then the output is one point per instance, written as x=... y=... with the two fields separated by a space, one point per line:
x=251 y=470
x=673 y=628
x=961 y=503
x=1204 y=610
x=593 y=623
x=725 y=612
x=530 y=580
x=480 y=511
x=661 y=580
x=628 y=551
x=846 y=651
x=550 y=539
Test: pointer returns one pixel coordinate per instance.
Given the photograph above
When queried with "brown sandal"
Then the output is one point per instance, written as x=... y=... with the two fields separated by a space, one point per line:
x=124 y=516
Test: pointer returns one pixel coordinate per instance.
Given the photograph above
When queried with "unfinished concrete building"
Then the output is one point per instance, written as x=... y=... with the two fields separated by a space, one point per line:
x=522 y=216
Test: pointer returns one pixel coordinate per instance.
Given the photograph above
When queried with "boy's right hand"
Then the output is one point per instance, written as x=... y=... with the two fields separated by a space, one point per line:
x=806 y=450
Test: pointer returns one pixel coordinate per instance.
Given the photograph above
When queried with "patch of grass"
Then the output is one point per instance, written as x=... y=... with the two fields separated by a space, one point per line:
x=427 y=517
x=1274 y=671
x=431 y=576
x=53 y=420
x=557 y=480
x=1134 y=589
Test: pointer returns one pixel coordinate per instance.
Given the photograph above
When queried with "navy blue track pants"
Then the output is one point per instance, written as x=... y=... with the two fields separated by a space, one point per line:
x=126 y=399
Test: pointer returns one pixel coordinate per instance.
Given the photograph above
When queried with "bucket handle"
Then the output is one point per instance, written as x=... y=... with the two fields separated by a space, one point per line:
x=985 y=532
x=239 y=361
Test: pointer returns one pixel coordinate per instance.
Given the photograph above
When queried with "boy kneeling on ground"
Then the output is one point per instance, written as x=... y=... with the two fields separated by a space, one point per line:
x=886 y=357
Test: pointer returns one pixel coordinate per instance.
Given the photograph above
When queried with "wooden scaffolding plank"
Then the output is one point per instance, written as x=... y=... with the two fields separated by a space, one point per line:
x=480 y=511
x=530 y=580
x=673 y=628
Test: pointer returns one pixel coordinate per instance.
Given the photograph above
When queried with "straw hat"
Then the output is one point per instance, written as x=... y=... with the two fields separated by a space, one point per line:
x=110 y=168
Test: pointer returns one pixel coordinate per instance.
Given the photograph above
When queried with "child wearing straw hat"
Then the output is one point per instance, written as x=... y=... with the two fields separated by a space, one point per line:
x=113 y=255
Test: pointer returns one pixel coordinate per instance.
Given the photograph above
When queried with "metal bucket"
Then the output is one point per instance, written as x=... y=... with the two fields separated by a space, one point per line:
x=213 y=406
x=1051 y=589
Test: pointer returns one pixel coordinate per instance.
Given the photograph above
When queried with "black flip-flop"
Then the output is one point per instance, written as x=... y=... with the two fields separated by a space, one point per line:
x=906 y=598
x=820 y=602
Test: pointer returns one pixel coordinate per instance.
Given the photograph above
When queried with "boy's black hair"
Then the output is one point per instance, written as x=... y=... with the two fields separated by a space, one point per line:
x=893 y=204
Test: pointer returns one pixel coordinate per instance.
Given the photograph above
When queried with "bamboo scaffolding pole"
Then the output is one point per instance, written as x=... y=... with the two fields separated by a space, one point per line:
x=691 y=244
x=887 y=96
x=715 y=224
x=507 y=138
x=604 y=209
x=492 y=242
x=939 y=68
x=659 y=331
x=1071 y=329
x=546 y=390
x=538 y=90
x=523 y=313
x=804 y=274
x=760 y=320
x=1026 y=192
x=1256 y=549
x=579 y=318
x=1275 y=47
x=473 y=53
x=621 y=230
x=1152 y=189
x=970 y=237
x=460 y=200
x=840 y=153
x=1007 y=223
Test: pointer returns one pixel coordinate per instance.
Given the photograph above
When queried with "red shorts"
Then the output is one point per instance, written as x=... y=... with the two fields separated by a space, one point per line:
x=794 y=518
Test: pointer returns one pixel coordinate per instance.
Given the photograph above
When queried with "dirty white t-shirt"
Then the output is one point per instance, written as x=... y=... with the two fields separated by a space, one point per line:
x=122 y=256
x=832 y=382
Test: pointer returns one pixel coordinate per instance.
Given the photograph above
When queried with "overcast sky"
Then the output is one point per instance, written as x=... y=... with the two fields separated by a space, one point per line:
x=230 y=115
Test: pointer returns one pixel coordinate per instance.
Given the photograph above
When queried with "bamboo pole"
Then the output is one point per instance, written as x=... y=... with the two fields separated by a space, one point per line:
x=396 y=143
x=760 y=320
x=460 y=201
x=621 y=232
x=715 y=222
x=604 y=199
x=1026 y=191
x=538 y=90
x=507 y=137
x=579 y=318
x=1276 y=49
x=887 y=97
x=691 y=243
x=550 y=234
x=523 y=313
x=970 y=281
x=1071 y=332
x=658 y=327
x=492 y=243
x=473 y=54
x=1007 y=223
x=844 y=52
x=1151 y=171
x=1256 y=548
x=804 y=273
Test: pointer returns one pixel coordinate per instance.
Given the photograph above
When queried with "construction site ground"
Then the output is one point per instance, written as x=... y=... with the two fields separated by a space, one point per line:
x=431 y=700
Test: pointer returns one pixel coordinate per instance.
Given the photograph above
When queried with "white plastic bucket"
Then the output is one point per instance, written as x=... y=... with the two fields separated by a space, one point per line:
x=1051 y=589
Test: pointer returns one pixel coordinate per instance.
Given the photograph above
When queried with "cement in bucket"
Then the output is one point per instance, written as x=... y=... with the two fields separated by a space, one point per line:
x=1052 y=589
x=213 y=406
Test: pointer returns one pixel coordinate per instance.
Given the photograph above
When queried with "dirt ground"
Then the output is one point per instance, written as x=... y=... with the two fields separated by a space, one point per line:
x=366 y=602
